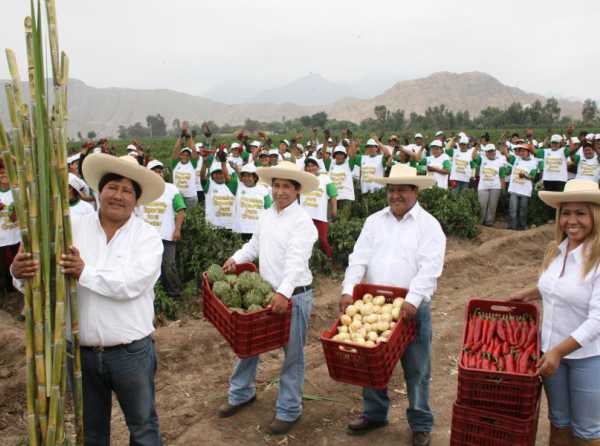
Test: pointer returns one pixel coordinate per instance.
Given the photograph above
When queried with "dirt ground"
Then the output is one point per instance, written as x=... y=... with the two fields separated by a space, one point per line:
x=195 y=362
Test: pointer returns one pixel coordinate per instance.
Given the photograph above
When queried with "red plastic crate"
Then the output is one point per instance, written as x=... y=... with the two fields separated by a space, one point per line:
x=514 y=394
x=249 y=334
x=368 y=366
x=474 y=427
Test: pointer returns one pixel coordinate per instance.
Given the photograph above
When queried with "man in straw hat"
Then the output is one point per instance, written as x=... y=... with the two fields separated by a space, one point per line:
x=403 y=246
x=116 y=259
x=283 y=243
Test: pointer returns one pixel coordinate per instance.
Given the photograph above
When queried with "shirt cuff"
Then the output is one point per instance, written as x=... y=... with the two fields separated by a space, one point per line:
x=347 y=288
x=286 y=289
x=581 y=335
x=86 y=276
x=414 y=299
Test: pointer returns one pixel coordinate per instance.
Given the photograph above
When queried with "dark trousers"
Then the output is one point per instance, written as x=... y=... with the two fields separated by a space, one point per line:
x=128 y=371
x=554 y=186
x=169 y=277
x=246 y=237
x=323 y=231
x=7 y=255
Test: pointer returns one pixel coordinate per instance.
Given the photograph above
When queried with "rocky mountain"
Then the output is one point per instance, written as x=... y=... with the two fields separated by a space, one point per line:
x=472 y=91
x=104 y=109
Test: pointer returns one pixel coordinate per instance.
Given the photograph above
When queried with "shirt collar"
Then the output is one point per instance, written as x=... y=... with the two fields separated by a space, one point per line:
x=577 y=253
x=122 y=228
x=289 y=209
x=414 y=212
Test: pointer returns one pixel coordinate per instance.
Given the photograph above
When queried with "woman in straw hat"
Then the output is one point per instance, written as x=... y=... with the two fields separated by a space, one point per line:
x=402 y=246
x=116 y=261
x=569 y=288
x=283 y=243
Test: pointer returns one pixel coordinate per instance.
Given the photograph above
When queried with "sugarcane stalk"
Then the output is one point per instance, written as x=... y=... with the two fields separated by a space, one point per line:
x=53 y=37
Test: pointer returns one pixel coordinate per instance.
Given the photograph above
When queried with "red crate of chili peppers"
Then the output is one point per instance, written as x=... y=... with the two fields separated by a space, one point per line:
x=497 y=367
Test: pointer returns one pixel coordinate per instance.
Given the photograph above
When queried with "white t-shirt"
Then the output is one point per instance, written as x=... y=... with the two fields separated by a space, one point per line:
x=249 y=205
x=588 y=169
x=440 y=178
x=184 y=178
x=461 y=165
x=522 y=186
x=370 y=166
x=9 y=230
x=489 y=173
x=219 y=203
x=555 y=165
x=341 y=176
x=315 y=202
x=160 y=213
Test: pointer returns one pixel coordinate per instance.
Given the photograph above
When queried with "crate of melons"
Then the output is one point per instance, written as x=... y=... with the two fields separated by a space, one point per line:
x=238 y=305
x=367 y=341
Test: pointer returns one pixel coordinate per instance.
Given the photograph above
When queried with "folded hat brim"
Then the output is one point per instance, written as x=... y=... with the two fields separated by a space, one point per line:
x=308 y=182
x=97 y=165
x=422 y=182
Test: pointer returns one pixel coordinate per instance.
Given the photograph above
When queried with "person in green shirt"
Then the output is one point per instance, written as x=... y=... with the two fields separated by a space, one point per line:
x=263 y=159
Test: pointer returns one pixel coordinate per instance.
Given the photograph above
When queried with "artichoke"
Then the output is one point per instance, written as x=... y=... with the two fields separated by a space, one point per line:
x=221 y=289
x=215 y=273
x=252 y=297
x=264 y=287
x=231 y=279
x=268 y=298
x=247 y=281
x=233 y=299
x=254 y=307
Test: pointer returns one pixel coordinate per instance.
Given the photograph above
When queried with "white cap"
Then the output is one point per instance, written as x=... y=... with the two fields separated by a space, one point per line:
x=436 y=143
x=371 y=142
x=300 y=146
x=461 y=134
x=186 y=149
x=340 y=149
x=97 y=150
x=575 y=140
x=556 y=138
x=155 y=163
x=248 y=168
x=131 y=148
x=439 y=133
x=286 y=142
x=464 y=140
x=215 y=167
x=73 y=158
x=255 y=144
x=76 y=183
x=199 y=146
x=597 y=137
x=273 y=152
x=309 y=144
x=489 y=148
x=311 y=158
x=590 y=136
x=329 y=139
x=263 y=153
x=418 y=135
x=319 y=147
x=235 y=145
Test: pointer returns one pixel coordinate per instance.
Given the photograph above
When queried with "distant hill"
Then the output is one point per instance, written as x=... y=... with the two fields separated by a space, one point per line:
x=104 y=109
x=472 y=91
x=312 y=89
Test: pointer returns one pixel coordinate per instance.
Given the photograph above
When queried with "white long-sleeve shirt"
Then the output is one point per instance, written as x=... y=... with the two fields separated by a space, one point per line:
x=406 y=253
x=283 y=243
x=571 y=304
x=116 y=287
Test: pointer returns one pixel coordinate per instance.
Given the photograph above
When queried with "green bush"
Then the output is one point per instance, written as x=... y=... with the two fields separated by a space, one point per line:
x=458 y=213
x=164 y=306
x=538 y=213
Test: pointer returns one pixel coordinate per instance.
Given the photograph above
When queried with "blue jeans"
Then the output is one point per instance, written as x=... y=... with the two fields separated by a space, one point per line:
x=574 y=396
x=242 y=385
x=461 y=185
x=517 y=209
x=129 y=372
x=416 y=364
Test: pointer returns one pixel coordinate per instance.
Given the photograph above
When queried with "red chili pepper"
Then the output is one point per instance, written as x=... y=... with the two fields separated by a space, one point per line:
x=501 y=364
x=493 y=366
x=485 y=364
x=517 y=335
x=464 y=360
x=476 y=346
x=478 y=328
x=470 y=330
x=505 y=348
x=510 y=363
x=472 y=361
x=500 y=330
x=510 y=334
x=491 y=330
x=479 y=362
x=514 y=324
x=523 y=359
x=484 y=330
x=532 y=335
x=496 y=353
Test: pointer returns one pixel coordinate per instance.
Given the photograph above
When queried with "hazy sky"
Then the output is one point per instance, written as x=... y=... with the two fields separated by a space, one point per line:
x=191 y=45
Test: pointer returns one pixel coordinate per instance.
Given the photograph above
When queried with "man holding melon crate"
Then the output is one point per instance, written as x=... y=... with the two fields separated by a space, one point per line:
x=403 y=246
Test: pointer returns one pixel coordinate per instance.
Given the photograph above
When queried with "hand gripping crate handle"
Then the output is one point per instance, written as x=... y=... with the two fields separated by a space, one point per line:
x=348 y=349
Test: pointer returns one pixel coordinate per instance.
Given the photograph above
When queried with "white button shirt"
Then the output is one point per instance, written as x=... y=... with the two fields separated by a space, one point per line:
x=283 y=243
x=571 y=304
x=406 y=253
x=116 y=287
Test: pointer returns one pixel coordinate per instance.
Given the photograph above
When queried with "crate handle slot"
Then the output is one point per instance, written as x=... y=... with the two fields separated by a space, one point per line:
x=503 y=308
x=347 y=349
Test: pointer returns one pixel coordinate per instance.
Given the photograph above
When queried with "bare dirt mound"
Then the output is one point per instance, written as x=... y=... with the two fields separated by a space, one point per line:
x=195 y=362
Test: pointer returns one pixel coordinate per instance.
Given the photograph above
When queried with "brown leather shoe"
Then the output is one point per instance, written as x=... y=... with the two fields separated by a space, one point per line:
x=227 y=410
x=421 y=439
x=363 y=425
x=280 y=427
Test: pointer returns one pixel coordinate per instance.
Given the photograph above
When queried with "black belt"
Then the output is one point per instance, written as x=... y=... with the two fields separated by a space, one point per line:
x=112 y=347
x=301 y=289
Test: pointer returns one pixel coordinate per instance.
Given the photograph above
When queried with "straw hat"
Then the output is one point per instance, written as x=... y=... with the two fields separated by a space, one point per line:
x=97 y=165
x=586 y=191
x=401 y=174
x=287 y=170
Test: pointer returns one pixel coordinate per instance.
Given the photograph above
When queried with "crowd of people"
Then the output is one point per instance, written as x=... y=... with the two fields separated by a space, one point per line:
x=127 y=220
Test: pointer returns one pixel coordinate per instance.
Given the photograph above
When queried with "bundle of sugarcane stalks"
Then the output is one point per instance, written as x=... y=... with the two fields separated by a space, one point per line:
x=35 y=158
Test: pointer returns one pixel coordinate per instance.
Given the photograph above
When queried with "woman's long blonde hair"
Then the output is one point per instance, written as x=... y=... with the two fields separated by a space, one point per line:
x=591 y=245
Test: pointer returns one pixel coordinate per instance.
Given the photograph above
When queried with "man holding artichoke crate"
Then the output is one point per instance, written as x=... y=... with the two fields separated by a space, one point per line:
x=283 y=243
x=403 y=246
x=116 y=260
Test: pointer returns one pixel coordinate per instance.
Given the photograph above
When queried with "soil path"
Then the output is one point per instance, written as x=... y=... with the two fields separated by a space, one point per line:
x=195 y=362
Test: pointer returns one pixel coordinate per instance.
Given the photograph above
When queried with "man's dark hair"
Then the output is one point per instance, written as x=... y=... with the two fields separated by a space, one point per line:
x=515 y=135
x=587 y=144
x=107 y=178
x=297 y=185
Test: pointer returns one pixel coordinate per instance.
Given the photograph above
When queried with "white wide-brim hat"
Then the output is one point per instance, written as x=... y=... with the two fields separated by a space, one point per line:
x=585 y=191
x=286 y=170
x=96 y=165
x=400 y=174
